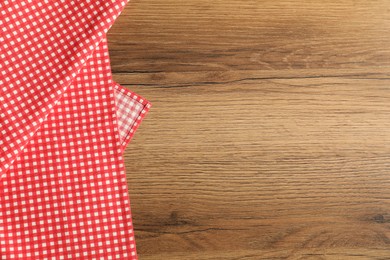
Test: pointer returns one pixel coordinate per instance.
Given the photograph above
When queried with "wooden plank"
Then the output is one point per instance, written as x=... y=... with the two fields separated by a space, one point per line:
x=203 y=35
x=282 y=163
x=332 y=254
x=268 y=137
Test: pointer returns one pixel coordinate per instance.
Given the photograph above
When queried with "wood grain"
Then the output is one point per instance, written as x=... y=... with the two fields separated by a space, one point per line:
x=269 y=132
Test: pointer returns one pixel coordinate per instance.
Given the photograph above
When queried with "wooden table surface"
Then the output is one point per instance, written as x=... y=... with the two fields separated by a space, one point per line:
x=269 y=135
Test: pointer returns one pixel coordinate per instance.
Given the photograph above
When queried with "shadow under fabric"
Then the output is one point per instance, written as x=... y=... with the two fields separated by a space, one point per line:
x=63 y=194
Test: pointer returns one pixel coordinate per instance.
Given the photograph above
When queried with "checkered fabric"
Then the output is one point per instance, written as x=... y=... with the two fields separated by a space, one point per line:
x=64 y=125
x=43 y=45
x=65 y=196
x=131 y=109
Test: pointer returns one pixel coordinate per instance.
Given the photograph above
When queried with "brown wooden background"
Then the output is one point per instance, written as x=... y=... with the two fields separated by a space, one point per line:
x=269 y=135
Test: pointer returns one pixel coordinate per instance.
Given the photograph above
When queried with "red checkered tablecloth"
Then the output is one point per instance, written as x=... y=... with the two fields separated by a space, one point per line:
x=64 y=125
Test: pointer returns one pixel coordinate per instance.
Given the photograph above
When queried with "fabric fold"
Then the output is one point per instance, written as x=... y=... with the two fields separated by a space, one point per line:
x=43 y=46
x=130 y=109
x=66 y=195
x=64 y=124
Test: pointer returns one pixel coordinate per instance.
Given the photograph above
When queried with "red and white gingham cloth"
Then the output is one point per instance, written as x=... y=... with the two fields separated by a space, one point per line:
x=64 y=125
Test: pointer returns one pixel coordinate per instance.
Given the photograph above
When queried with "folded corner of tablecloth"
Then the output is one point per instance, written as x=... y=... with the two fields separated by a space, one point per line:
x=131 y=109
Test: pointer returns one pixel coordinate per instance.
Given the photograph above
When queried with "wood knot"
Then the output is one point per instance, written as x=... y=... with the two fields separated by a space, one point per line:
x=379 y=218
x=176 y=220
